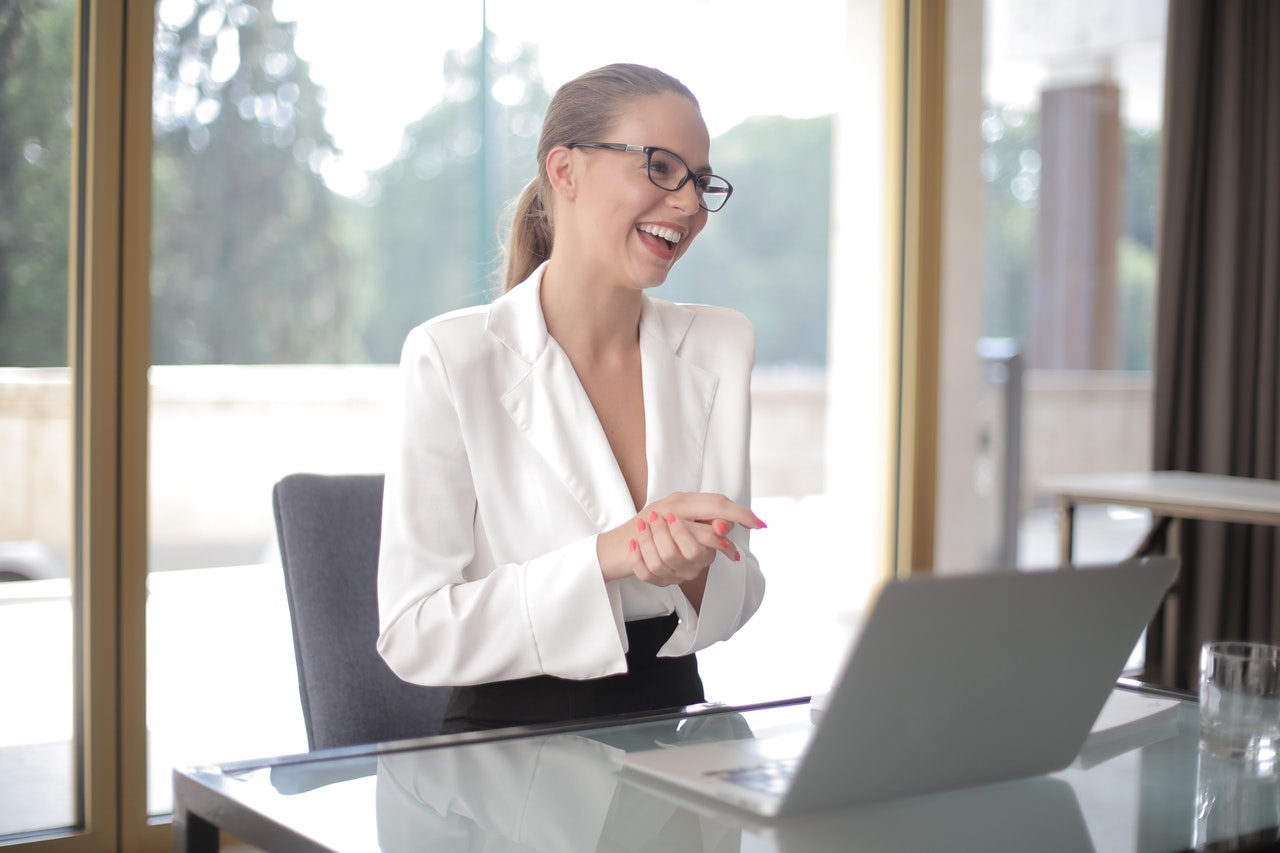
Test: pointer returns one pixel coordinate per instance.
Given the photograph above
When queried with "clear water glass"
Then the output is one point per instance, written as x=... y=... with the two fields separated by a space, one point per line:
x=1240 y=701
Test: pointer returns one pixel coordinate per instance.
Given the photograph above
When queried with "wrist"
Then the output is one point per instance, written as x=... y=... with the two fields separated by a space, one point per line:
x=610 y=554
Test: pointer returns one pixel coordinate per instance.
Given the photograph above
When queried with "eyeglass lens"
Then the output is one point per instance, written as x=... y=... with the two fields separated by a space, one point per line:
x=669 y=172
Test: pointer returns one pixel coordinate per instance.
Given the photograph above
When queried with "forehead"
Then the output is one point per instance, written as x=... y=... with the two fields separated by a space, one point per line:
x=668 y=121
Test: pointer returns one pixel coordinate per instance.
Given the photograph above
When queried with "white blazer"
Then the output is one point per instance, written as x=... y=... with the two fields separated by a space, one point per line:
x=503 y=477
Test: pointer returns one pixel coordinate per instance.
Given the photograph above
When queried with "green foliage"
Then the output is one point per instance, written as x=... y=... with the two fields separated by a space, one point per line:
x=256 y=260
x=37 y=46
x=432 y=238
x=767 y=253
x=1137 y=293
x=1010 y=165
x=1141 y=185
x=249 y=264
x=1012 y=186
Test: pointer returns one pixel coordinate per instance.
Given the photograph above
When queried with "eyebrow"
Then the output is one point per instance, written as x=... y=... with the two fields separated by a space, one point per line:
x=699 y=170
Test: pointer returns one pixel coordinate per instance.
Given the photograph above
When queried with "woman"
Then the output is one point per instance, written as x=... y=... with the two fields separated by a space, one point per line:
x=565 y=520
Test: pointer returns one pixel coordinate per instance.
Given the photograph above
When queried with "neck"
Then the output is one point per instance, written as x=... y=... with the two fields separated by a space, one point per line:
x=587 y=317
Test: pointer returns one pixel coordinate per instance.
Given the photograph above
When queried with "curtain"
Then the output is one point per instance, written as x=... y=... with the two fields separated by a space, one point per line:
x=1218 y=308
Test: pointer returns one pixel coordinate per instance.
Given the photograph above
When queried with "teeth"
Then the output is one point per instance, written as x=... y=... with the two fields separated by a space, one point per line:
x=668 y=234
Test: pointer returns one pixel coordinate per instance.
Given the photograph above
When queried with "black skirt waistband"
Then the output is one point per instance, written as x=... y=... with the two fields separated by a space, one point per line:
x=650 y=683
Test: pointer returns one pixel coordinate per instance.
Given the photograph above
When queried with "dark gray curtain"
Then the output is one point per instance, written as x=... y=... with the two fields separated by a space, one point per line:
x=1218 y=298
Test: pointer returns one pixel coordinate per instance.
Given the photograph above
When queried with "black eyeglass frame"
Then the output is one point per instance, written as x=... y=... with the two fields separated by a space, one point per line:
x=647 y=151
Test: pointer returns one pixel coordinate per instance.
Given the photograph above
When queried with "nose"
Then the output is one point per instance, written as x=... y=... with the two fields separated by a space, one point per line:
x=686 y=198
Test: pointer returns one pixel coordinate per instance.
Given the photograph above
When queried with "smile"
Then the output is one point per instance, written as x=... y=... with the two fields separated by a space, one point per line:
x=671 y=235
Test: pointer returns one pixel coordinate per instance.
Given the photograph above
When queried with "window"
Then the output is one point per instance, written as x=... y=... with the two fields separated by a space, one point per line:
x=39 y=788
x=310 y=208
x=244 y=268
x=1054 y=115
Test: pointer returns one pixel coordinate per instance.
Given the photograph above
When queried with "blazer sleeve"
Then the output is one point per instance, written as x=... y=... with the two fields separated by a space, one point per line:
x=724 y=341
x=447 y=614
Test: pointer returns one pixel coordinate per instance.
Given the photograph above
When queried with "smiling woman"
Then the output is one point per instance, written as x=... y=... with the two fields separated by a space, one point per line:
x=549 y=573
x=280 y=296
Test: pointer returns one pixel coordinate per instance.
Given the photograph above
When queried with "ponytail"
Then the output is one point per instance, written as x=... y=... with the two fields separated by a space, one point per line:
x=530 y=238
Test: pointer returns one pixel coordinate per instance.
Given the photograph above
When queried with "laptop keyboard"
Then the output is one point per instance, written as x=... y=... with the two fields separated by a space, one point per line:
x=771 y=777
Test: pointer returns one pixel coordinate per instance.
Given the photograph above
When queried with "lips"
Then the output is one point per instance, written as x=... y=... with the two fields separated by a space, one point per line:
x=661 y=240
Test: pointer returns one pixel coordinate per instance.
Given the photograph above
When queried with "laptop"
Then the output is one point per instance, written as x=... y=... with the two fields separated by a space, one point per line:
x=953 y=681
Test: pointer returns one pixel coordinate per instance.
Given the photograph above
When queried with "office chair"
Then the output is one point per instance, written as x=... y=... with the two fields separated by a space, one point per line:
x=329 y=529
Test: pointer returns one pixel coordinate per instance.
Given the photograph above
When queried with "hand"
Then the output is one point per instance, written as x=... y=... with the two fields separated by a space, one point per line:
x=673 y=540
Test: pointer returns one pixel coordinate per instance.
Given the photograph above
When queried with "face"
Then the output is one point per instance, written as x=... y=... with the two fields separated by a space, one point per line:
x=624 y=226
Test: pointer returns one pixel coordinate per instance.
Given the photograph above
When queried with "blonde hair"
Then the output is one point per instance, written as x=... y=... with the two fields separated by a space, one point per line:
x=581 y=110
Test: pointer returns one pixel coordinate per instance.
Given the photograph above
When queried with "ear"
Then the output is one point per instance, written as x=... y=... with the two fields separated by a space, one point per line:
x=562 y=172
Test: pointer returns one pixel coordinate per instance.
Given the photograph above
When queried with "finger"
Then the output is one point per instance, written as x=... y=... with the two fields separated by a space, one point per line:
x=651 y=568
x=702 y=506
x=680 y=551
x=699 y=541
x=676 y=563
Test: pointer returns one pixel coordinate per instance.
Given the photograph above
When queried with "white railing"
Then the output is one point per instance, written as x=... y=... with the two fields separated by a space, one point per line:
x=221 y=436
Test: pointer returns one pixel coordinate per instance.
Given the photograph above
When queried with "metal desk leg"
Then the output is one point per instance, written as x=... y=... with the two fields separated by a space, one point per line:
x=1066 y=530
x=1172 y=601
x=193 y=834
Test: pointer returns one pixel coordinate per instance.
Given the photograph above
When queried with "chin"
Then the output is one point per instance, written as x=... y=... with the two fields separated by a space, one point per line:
x=654 y=281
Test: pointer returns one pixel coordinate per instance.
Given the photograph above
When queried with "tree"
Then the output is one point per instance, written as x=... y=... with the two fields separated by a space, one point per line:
x=249 y=263
x=767 y=253
x=1011 y=167
x=37 y=49
x=256 y=260
x=432 y=238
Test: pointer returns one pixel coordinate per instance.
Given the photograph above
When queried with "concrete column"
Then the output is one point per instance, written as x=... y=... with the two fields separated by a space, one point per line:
x=1073 y=324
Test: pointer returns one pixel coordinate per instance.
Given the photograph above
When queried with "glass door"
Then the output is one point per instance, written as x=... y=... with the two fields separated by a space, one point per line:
x=39 y=761
x=307 y=209
x=1052 y=158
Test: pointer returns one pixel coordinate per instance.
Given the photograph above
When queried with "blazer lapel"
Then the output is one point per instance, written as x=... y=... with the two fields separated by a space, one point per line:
x=548 y=404
x=677 y=401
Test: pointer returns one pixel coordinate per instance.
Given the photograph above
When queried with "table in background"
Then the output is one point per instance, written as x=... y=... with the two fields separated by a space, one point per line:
x=561 y=790
x=1171 y=496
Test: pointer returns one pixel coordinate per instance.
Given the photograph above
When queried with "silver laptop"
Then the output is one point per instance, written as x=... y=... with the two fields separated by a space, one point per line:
x=953 y=681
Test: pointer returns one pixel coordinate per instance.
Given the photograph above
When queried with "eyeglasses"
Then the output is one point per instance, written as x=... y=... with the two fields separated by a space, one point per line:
x=668 y=171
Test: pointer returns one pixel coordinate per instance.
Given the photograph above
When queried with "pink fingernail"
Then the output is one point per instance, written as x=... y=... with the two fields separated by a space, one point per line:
x=671 y=518
x=736 y=556
x=653 y=516
x=724 y=543
x=640 y=524
x=758 y=521
x=721 y=528
x=632 y=545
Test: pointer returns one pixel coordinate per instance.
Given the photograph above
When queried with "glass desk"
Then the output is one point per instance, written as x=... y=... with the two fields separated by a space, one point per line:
x=560 y=789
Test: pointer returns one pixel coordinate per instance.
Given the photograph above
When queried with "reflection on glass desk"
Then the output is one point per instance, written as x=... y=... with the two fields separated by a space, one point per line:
x=561 y=789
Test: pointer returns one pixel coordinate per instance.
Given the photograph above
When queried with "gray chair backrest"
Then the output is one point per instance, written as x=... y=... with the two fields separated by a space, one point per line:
x=329 y=527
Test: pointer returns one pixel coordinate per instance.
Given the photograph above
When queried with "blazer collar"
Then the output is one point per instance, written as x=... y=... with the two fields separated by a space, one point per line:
x=515 y=318
x=552 y=409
